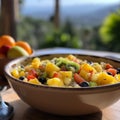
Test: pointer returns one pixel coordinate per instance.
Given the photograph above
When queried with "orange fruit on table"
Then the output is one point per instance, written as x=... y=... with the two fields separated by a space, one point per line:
x=24 y=45
x=7 y=40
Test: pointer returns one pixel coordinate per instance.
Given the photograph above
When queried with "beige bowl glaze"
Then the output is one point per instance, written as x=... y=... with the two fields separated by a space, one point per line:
x=65 y=101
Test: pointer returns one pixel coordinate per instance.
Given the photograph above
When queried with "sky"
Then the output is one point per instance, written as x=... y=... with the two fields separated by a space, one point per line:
x=67 y=2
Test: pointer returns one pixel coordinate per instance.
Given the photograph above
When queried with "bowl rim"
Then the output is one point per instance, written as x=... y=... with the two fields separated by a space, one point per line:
x=113 y=87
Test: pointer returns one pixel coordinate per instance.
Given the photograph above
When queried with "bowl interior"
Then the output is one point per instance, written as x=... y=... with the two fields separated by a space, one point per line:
x=90 y=58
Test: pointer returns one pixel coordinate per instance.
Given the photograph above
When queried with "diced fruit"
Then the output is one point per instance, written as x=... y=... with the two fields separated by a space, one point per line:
x=97 y=67
x=50 y=68
x=66 y=76
x=36 y=63
x=34 y=81
x=56 y=74
x=113 y=71
x=55 y=82
x=30 y=77
x=22 y=73
x=94 y=77
x=32 y=72
x=78 y=79
x=117 y=76
x=87 y=71
x=67 y=81
x=104 y=79
x=88 y=68
x=15 y=73
x=73 y=58
x=107 y=66
x=92 y=84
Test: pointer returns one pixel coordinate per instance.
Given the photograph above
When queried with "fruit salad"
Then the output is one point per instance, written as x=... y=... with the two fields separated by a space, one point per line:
x=68 y=71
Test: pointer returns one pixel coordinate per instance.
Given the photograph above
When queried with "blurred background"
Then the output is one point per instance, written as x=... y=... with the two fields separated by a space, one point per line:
x=80 y=24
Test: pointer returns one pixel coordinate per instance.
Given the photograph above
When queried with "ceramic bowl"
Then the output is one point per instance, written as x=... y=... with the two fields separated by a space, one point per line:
x=65 y=101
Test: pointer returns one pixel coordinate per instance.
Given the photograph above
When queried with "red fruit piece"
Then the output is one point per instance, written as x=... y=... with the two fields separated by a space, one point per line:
x=113 y=71
x=30 y=77
x=33 y=73
x=108 y=66
x=78 y=79
x=56 y=75
x=4 y=49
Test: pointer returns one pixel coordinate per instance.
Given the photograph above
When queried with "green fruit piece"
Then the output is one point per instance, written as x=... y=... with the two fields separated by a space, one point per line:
x=16 y=51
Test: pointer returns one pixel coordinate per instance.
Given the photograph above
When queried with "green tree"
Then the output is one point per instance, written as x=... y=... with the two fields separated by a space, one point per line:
x=64 y=37
x=32 y=31
x=110 y=32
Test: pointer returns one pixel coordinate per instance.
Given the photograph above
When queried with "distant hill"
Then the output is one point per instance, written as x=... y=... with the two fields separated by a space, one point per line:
x=86 y=14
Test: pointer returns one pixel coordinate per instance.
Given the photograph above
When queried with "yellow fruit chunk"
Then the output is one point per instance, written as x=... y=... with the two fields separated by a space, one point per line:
x=104 y=79
x=21 y=73
x=87 y=71
x=34 y=81
x=15 y=73
x=87 y=68
x=97 y=67
x=117 y=76
x=36 y=63
x=66 y=76
x=50 y=68
x=55 y=82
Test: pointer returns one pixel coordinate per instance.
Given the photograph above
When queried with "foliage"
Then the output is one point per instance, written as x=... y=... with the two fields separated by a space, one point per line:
x=32 y=30
x=61 y=39
x=42 y=34
x=110 y=32
x=96 y=43
x=66 y=37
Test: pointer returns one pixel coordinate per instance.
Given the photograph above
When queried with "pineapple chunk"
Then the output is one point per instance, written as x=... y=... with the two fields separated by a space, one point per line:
x=117 y=76
x=55 y=82
x=15 y=73
x=50 y=68
x=97 y=67
x=87 y=71
x=66 y=76
x=104 y=79
x=36 y=63
x=34 y=81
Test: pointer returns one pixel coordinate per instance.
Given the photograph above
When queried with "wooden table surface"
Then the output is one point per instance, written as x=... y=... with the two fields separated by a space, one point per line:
x=22 y=111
